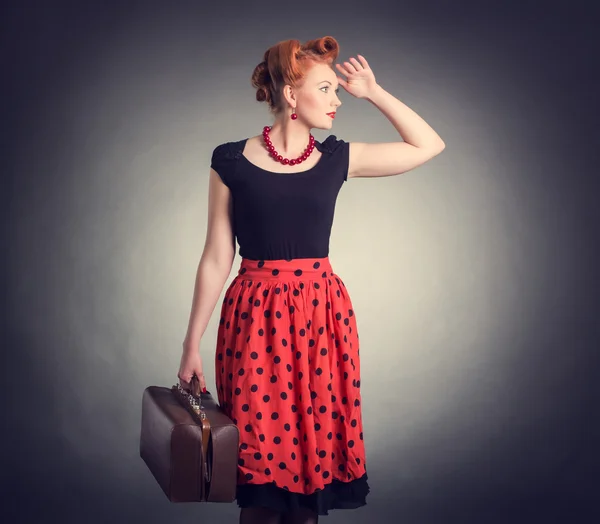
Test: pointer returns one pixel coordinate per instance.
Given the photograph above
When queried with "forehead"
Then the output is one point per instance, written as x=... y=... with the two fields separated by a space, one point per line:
x=321 y=72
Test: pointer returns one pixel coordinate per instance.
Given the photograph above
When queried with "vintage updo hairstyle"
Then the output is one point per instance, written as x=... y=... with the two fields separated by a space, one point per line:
x=287 y=62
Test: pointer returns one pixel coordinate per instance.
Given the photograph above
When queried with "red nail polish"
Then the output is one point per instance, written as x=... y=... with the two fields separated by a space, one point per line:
x=204 y=390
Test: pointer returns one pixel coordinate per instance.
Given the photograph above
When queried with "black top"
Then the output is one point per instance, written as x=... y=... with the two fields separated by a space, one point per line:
x=283 y=215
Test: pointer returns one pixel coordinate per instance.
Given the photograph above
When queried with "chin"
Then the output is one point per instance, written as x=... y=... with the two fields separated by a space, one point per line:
x=325 y=126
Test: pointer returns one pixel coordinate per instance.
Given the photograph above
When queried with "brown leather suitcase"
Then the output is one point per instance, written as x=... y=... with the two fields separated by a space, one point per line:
x=189 y=444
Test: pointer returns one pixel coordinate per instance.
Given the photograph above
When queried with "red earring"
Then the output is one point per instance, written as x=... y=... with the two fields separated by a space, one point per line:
x=293 y=116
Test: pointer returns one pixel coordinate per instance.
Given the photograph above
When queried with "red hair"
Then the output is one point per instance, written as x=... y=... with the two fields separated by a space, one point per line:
x=287 y=62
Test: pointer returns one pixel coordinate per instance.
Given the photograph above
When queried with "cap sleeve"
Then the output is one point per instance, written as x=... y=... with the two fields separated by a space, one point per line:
x=221 y=161
x=340 y=153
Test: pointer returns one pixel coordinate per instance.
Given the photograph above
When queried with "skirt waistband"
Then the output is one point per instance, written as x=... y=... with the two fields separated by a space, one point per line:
x=295 y=269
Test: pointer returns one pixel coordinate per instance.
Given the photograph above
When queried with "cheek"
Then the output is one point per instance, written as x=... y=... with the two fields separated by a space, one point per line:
x=312 y=102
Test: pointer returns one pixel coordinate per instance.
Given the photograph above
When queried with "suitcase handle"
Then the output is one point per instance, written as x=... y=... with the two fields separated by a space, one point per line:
x=194 y=400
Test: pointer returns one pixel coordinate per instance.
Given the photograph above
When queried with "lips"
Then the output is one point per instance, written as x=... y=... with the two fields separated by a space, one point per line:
x=332 y=115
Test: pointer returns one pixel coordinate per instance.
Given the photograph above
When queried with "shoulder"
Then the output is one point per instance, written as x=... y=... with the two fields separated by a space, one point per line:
x=332 y=145
x=224 y=158
x=228 y=150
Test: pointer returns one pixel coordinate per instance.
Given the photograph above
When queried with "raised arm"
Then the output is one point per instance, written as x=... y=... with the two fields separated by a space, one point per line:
x=420 y=142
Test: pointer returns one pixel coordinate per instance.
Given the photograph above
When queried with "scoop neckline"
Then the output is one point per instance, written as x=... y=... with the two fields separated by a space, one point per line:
x=279 y=173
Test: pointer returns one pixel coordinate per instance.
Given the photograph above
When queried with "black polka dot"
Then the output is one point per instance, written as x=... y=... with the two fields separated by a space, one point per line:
x=275 y=272
x=298 y=272
x=277 y=440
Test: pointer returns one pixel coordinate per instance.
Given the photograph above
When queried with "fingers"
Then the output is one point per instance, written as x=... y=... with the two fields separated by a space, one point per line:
x=356 y=63
x=183 y=382
x=363 y=61
x=202 y=384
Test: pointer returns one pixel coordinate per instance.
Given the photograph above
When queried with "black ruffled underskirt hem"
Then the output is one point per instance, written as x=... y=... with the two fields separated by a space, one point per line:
x=336 y=495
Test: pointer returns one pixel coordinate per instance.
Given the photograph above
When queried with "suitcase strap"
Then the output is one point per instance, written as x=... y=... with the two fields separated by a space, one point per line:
x=194 y=405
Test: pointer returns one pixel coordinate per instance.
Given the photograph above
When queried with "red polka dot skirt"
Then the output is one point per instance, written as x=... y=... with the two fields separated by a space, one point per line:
x=288 y=375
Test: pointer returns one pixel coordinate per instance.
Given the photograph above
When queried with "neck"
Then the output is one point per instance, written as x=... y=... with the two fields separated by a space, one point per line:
x=289 y=137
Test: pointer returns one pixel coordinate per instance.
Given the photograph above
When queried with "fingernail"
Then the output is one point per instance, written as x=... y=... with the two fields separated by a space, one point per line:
x=204 y=390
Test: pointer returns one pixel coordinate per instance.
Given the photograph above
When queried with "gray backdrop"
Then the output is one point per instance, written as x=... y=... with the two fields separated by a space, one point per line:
x=471 y=276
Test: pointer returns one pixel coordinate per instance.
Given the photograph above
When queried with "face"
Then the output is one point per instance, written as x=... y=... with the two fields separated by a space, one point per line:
x=317 y=97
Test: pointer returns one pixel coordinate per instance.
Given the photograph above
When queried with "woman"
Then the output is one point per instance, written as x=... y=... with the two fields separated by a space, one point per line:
x=287 y=356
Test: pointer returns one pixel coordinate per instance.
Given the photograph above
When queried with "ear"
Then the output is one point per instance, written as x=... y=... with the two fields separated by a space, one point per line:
x=289 y=96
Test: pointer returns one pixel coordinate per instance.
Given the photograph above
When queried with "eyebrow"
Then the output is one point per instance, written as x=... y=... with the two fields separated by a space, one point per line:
x=326 y=81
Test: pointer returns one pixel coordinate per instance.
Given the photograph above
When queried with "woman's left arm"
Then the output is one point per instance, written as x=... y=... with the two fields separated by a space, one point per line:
x=421 y=143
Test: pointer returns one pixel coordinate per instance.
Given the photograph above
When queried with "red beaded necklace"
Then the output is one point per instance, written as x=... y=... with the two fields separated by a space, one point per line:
x=292 y=162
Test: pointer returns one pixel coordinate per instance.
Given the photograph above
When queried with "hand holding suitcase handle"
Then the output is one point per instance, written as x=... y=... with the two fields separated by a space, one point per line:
x=190 y=366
